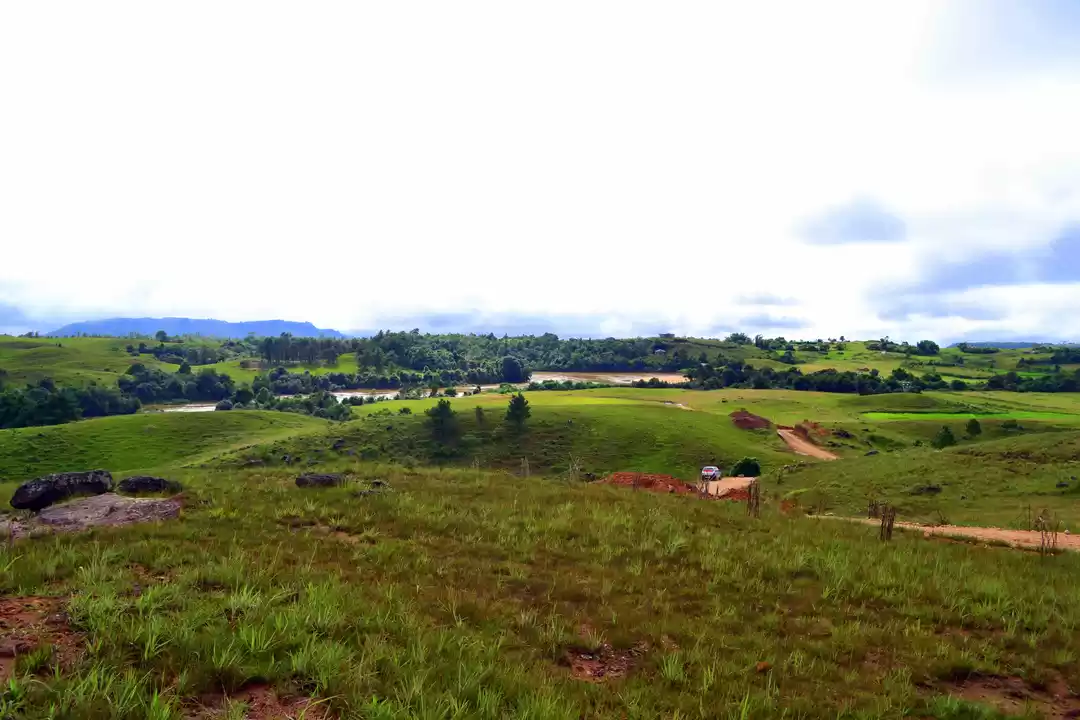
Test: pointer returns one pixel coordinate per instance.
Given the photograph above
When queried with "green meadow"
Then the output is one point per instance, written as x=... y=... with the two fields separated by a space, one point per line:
x=482 y=575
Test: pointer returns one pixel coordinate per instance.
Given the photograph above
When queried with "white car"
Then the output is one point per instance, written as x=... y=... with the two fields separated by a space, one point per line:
x=708 y=474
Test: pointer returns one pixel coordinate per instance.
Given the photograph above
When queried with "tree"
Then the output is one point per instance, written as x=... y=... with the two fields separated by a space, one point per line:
x=443 y=421
x=958 y=385
x=747 y=467
x=927 y=347
x=185 y=369
x=161 y=336
x=738 y=338
x=974 y=429
x=512 y=371
x=518 y=410
x=944 y=438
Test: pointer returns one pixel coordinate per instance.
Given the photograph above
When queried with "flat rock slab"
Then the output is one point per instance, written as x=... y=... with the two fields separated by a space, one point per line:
x=320 y=480
x=100 y=510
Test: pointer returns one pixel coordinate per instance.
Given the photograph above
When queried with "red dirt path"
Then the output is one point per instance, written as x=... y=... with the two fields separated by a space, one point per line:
x=651 y=482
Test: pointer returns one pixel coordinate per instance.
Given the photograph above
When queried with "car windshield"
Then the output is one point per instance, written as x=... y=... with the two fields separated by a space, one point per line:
x=709 y=469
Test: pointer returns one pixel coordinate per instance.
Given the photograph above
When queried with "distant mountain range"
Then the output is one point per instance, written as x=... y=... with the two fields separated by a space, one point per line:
x=119 y=327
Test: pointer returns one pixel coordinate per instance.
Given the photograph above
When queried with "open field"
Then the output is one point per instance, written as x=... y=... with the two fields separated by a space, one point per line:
x=469 y=590
x=458 y=594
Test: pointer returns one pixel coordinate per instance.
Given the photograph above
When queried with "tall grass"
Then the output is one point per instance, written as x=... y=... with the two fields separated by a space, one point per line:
x=456 y=594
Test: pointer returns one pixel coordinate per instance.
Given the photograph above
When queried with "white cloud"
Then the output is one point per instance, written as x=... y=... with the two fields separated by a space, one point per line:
x=343 y=163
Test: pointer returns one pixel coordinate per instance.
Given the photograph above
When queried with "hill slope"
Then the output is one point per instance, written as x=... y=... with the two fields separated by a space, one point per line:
x=990 y=483
x=134 y=442
x=121 y=327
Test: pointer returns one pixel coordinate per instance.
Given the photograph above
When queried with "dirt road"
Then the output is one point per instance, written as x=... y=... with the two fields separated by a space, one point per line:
x=802 y=446
x=727 y=485
x=1016 y=538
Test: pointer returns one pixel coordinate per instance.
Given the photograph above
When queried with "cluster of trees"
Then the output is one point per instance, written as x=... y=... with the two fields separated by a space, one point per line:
x=1056 y=382
x=923 y=347
x=285 y=348
x=443 y=422
x=319 y=404
x=198 y=354
x=45 y=403
x=153 y=385
x=976 y=349
x=488 y=353
x=738 y=374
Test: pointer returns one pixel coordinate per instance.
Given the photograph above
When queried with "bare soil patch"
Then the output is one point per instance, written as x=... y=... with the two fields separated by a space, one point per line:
x=99 y=510
x=1013 y=696
x=1027 y=539
x=650 y=482
x=745 y=420
x=260 y=702
x=730 y=488
x=27 y=623
x=601 y=663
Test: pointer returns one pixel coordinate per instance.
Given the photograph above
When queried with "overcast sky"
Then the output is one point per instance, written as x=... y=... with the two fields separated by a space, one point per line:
x=803 y=169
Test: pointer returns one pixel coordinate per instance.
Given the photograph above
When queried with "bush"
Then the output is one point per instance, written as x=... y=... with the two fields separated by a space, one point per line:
x=224 y=405
x=443 y=421
x=974 y=429
x=944 y=438
x=747 y=467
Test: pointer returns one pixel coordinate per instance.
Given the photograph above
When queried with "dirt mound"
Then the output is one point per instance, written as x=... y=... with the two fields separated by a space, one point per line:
x=108 y=509
x=651 y=482
x=1013 y=696
x=602 y=663
x=27 y=623
x=730 y=488
x=260 y=702
x=809 y=430
x=749 y=421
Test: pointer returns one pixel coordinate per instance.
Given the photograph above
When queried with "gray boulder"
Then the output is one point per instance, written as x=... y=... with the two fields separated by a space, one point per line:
x=51 y=489
x=320 y=480
x=148 y=484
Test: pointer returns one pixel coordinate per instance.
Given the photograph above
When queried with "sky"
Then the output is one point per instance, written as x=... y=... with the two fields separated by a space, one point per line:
x=907 y=168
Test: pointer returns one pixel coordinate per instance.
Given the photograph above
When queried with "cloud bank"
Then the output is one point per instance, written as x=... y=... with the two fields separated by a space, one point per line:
x=910 y=169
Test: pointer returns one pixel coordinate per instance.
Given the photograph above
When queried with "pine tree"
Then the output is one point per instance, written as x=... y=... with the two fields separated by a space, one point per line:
x=518 y=410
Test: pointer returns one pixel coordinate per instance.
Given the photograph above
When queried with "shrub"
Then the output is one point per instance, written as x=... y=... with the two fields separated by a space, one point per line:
x=974 y=429
x=747 y=467
x=944 y=438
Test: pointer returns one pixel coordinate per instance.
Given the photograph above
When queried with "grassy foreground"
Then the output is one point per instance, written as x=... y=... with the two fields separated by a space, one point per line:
x=459 y=594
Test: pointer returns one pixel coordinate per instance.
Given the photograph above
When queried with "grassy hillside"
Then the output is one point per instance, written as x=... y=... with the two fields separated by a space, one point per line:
x=992 y=483
x=475 y=596
x=603 y=432
x=70 y=361
x=131 y=442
